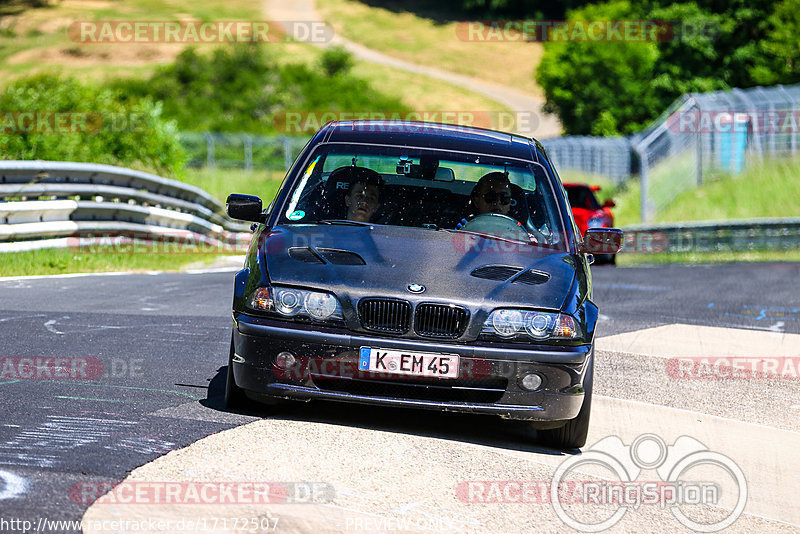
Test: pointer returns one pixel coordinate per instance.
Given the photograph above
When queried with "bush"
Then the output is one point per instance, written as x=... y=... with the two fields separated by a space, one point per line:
x=235 y=89
x=98 y=126
x=241 y=89
x=336 y=60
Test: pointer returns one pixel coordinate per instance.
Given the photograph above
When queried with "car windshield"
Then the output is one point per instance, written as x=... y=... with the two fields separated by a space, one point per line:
x=582 y=197
x=426 y=189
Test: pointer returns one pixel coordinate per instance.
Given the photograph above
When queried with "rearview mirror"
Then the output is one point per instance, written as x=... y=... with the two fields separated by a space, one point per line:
x=602 y=241
x=609 y=203
x=244 y=207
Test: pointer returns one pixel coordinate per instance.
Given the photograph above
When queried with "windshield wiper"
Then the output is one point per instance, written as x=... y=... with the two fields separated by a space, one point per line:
x=344 y=221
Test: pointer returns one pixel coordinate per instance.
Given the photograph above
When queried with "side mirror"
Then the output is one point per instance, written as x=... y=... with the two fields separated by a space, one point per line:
x=609 y=203
x=602 y=241
x=244 y=207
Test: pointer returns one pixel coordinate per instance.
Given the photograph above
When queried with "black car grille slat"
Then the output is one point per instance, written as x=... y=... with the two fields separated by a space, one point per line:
x=490 y=391
x=384 y=315
x=440 y=320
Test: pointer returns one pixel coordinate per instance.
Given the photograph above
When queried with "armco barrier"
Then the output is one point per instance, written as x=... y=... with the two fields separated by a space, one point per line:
x=43 y=200
x=714 y=236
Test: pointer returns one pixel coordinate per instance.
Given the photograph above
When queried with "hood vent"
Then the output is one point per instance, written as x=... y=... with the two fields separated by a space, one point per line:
x=532 y=277
x=501 y=273
x=305 y=254
x=332 y=255
x=341 y=257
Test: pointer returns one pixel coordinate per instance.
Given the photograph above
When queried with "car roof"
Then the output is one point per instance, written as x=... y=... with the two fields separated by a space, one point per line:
x=431 y=135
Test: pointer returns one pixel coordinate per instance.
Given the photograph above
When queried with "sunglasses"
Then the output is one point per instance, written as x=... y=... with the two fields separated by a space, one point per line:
x=492 y=196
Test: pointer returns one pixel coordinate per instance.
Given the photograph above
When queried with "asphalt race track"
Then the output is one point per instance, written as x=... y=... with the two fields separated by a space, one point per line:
x=154 y=350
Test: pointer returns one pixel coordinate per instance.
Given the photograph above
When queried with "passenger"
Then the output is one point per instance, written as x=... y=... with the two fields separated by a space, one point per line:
x=364 y=195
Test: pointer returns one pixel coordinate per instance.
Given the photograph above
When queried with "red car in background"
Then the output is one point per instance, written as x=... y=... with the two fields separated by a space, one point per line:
x=588 y=212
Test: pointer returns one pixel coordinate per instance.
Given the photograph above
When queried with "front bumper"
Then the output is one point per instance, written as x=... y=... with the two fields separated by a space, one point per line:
x=327 y=368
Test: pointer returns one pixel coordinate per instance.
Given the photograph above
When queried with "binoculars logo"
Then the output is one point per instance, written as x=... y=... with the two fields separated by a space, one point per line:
x=673 y=489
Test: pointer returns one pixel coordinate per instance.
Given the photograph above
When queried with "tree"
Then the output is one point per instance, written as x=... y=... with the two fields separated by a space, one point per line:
x=600 y=88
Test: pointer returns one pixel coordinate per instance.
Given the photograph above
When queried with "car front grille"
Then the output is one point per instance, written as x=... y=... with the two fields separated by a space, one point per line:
x=385 y=315
x=440 y=320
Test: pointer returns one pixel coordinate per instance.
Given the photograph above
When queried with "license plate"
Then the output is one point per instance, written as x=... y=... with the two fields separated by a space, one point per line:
x=398 y=362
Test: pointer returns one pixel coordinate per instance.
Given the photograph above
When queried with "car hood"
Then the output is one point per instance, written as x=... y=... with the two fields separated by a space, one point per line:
x=396 y=257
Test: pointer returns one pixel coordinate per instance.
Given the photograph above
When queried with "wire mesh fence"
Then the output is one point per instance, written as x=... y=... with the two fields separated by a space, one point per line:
x=602 y=156
x=240 y=150
x=717 y=131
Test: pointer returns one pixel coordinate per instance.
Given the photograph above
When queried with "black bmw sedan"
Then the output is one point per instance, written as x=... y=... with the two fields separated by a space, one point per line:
x=419 y=265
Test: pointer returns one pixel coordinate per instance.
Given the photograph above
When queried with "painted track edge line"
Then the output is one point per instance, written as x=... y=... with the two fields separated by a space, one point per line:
x=119 y=273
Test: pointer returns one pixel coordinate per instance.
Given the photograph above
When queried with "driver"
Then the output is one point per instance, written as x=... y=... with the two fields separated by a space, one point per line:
x=492 y=194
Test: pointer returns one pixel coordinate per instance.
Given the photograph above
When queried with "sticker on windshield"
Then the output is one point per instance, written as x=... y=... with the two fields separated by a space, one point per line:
x=296 y=215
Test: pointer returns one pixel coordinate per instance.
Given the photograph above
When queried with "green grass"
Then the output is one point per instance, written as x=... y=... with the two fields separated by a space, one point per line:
x=768 y=189
x=101 y=259
x=220 y=183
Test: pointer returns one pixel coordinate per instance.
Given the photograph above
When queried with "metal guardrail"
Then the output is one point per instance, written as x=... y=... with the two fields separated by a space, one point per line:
x=40 y=200
x=714 y=236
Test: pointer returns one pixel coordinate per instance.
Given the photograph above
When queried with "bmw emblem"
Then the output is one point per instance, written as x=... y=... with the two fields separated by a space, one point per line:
x=416 y=288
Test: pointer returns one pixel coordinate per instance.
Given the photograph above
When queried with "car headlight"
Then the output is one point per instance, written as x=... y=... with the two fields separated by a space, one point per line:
x=538 y=325
x=506 y=323
x=290 y=302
